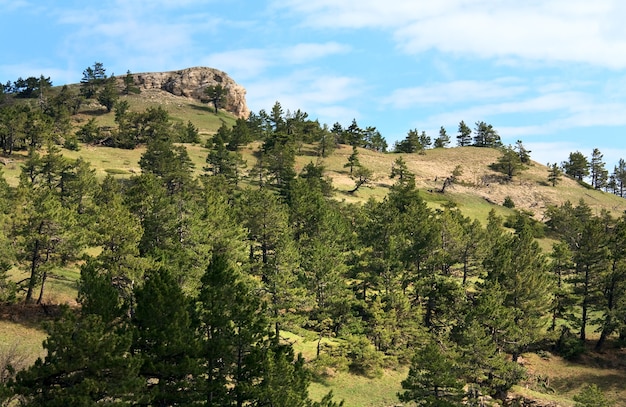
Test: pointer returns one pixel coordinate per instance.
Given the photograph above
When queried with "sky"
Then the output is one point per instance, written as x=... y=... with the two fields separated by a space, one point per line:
x=551 y=73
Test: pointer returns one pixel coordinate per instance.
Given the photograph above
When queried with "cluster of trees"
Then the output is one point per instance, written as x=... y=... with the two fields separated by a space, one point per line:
x=31 y=87
x=197 y=277
x=593 y=169
x=32 y=112
x=484 y=136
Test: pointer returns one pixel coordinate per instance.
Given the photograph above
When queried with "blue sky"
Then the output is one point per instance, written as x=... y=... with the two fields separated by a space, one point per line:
x=551 y=73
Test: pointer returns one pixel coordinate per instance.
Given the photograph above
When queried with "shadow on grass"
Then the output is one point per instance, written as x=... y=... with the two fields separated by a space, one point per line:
x=95 y=112
x=31 y=316
x=205 y=109
x=606 y=381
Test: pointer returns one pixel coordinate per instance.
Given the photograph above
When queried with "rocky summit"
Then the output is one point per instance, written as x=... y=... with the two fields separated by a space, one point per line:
x=191 y=83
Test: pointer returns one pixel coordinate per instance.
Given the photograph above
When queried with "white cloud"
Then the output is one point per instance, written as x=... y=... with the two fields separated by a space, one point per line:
x=240 y=64
x=57 y=75
x=455 y=92
x=302 y=53
x=323 y=96
x=550 y=152
x=247 y=64
x=546 y=31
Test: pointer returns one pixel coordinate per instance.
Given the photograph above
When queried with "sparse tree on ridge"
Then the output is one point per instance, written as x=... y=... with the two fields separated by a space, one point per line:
x=93 y=78
x=598 y=172
x=524 y=154
x=129 y=84
x=443 y=140
x=109 y=94
x=373 y=140
x=464 y=138
x=577 y=166
x=414 y=142
x=486 y=136
x=619 y=175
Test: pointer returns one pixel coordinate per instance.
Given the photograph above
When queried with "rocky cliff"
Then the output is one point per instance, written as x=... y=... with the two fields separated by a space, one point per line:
x=191 y=83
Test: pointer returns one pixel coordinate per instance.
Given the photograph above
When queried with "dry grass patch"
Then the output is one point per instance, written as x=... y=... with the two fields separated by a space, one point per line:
x=566 y=378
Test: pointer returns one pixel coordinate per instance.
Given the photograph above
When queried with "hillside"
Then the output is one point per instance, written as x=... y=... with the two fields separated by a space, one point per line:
x=479 y=188
x=476 y=192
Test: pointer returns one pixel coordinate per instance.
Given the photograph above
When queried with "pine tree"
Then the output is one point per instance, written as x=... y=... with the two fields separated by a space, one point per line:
x=109 y=94
x=554 y=174
x=443 y=140
x=129 y=84
x=577 y=166
x=353 y=160
x=509 y=163
x=88 y=360
x=612 y=302
x=399 y=169
x=464 y=138
x=93 y=77
x=591 y=258
x=591 y=396
x=222 y=161
x=518 y=266
x=46 y=237
x=165 y=341
x=217 y=95
x=273 y=254
x=562 y=267
x=523 y=152
x=485 y=368
x=361 y=176
x=486 y=136
x=619 y=174
x=599 y=174
x=434 y=378
x=232 y=328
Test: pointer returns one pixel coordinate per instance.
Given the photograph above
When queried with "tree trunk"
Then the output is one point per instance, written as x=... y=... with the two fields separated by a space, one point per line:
x=41 y=290
x=585 y=306
x=32 y=282
x=607 y=328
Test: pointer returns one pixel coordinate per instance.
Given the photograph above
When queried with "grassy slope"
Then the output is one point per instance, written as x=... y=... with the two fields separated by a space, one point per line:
x=476 y=194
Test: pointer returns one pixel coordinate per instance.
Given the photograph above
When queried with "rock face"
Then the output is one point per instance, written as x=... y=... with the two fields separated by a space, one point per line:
x=191 y=83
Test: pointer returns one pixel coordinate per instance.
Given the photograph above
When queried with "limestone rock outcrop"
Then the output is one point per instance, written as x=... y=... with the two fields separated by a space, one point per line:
x=191 y=83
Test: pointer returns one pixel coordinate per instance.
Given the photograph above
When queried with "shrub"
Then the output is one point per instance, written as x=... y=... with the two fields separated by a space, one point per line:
x=364 y=359
x=508 y=202
x=569 y=345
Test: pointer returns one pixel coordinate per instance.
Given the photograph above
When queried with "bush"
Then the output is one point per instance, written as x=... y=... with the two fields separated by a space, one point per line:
x=591 y=396
x=364 y=359
x=328 y=365
x=71 y=143
x=508 y=202
x=569 y=346
x=8 y=289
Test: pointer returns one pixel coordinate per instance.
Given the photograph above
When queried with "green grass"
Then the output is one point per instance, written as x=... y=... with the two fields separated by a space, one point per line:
x=23 y=336
x=180 y=109
x=359 y=391
x=355 y=390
